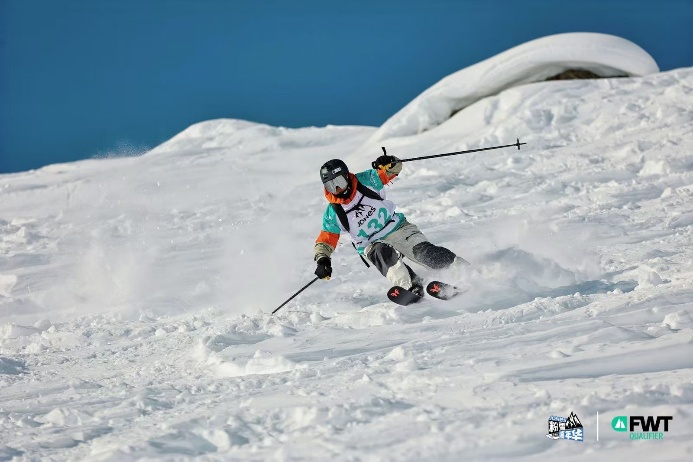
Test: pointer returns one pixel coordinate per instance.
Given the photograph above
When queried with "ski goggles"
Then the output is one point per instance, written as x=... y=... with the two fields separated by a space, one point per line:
x=339 y=182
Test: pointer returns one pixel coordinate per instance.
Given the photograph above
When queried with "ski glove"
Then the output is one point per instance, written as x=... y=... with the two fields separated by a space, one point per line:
x=385 y=162
x=324 y=269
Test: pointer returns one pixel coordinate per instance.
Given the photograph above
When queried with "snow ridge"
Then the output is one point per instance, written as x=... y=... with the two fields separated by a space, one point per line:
x=534 y=61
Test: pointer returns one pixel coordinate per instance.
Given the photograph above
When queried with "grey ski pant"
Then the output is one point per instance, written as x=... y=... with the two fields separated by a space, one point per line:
x=408 y=241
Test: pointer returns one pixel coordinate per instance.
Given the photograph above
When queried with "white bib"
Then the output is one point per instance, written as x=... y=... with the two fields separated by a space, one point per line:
x=369 y=219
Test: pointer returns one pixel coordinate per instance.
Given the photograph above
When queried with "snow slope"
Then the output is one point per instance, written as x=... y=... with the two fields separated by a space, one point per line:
x=135 y=293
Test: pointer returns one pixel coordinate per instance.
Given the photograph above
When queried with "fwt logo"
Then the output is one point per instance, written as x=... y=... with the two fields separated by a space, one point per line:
x=649 y=425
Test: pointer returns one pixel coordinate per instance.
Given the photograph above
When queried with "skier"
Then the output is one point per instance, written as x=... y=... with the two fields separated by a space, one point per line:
x=358 y=207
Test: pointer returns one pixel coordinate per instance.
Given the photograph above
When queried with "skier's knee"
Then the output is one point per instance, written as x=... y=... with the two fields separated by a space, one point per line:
x=382 y=256
x=433 y=256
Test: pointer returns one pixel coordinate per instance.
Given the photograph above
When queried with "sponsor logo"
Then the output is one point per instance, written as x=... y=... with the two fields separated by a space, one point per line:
x=642 y=427
x=565 y=428
x=619 y=423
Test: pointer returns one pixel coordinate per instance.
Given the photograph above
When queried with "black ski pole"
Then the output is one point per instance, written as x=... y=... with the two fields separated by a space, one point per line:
x=518 y=144
x=294 y=295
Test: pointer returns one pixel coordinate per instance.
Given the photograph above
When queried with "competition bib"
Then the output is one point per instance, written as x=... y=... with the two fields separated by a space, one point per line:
x=370 y=219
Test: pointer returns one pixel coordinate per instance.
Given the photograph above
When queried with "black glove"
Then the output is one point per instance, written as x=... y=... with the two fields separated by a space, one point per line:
x=384 y=161
x=324 y=269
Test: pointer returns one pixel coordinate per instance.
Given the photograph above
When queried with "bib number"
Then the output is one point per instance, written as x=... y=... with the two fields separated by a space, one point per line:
x=375 y=225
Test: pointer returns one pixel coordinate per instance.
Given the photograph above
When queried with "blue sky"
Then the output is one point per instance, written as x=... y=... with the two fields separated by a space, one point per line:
x=85 y=78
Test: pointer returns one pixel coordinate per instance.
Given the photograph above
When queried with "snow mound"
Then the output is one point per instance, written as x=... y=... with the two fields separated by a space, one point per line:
x=262 y=362
x=534 y=61
x=681 y=319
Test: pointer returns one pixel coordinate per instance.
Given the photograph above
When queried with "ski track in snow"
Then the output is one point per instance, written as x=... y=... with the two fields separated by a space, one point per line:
x=135 y=293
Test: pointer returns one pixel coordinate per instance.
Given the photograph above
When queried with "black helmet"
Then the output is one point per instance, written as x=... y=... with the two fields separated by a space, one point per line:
x=334 y=174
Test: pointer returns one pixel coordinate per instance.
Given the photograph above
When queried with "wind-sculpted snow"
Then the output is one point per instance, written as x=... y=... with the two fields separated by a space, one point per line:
x=135 y=293
x=601 y=54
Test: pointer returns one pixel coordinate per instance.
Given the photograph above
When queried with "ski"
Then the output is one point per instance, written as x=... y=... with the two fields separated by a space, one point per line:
x=402 y=296
x=442 y=291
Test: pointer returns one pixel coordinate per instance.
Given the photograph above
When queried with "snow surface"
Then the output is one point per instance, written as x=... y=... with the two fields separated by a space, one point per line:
x=135 y=292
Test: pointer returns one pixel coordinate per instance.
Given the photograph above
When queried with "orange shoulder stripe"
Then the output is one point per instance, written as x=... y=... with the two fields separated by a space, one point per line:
x=328 y=238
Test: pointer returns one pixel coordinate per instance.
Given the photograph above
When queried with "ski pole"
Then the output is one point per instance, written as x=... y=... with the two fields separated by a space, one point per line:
x=518 y=144
x=294 y=295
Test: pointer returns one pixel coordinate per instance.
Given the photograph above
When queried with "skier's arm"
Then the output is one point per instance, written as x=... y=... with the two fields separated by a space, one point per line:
x=388 y=167
x=329 y=235
x=376 y=179
x=324 y=248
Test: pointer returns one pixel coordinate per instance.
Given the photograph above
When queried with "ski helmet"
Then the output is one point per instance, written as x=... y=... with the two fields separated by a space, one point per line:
x=334 y=174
